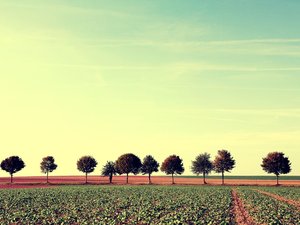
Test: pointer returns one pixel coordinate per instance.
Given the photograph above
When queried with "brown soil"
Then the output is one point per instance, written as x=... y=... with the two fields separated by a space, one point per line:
x=280 y=198
x=40 y=181
x=241 y=215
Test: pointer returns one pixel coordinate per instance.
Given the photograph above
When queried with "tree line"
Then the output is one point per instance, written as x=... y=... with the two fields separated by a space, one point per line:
x=274 y=162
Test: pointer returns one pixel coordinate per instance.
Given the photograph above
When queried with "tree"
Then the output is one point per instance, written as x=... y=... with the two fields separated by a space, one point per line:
x=128 y=163
x=149 y=166
x=86 y=164
x=202 y=164
x=109 y=170
x=12 y=165
x=172 y=165
x=223 y=163
x=48 y=165
x=276 y=163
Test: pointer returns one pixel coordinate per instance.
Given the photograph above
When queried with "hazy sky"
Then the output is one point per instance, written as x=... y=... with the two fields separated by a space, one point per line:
x=103 y=78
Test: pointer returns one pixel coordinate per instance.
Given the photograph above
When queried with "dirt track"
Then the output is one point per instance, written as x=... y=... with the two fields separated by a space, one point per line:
x=39 y=181
x=240 y=213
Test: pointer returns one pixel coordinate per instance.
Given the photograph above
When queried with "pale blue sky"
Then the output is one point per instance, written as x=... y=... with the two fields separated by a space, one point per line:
x=159 y=77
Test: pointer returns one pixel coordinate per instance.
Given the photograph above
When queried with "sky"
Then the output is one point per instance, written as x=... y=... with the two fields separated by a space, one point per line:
x=103 y=78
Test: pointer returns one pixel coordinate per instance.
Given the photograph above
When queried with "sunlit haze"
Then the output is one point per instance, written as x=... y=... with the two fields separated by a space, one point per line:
x=104 y=78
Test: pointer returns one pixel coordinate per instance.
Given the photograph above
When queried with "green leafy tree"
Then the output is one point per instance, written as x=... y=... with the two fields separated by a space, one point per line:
x=128 y=163
x=12 y=165
x=172 y=165
x=223 y=163
x=109 y=169
x=276 y=163
x=48 y=165
x=149 y=166
x=86 y=164
x=202 y=164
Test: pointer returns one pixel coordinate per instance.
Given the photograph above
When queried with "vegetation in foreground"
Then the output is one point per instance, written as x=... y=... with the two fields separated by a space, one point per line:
x=142 y=205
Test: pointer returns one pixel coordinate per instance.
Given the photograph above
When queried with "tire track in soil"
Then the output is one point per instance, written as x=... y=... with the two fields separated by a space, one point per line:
x=280 y=198
x=239 y=211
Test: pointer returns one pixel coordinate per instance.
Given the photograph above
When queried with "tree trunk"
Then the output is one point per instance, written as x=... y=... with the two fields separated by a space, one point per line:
x=222 y=177
x=11 y=178
x=47 y=178
x=204 y=182
x=110 y=178
x=86 y=178
x=173 y=178
x=277 y=179
x=127 y=179
x=149 y=178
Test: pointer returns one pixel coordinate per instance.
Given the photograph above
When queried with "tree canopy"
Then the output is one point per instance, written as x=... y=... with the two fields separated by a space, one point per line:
x=172 y=165
x=276 y=163
x=86 y=164
x=48 y=165
x=223 y=162
x=109 y=170
x=128 y=163
x=202 y=164
x=149 y=166
x=12 y=165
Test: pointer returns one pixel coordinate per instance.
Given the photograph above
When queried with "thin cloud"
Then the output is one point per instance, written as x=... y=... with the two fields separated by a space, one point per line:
x=151 y=42
x=176 y=67
x=256 y=41
x=264 y=112
x=187 y=67
x=269 y=47
x=67 y=8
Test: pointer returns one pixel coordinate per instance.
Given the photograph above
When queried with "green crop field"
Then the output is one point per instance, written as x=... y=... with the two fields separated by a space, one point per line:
x=141 y=205
x=287 y=192
x=267 y=210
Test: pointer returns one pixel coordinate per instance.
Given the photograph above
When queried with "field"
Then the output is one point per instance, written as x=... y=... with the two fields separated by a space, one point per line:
x=150 y=204
x=139 y=180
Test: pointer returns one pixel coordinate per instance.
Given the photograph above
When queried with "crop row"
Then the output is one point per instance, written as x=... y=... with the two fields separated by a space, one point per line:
x=140 y=205
x=292 y=193
x=116 y=205
x=267 y=210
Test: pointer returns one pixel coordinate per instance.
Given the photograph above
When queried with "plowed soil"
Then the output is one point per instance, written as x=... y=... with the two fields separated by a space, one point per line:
x=40 y=181
x=239 y=211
